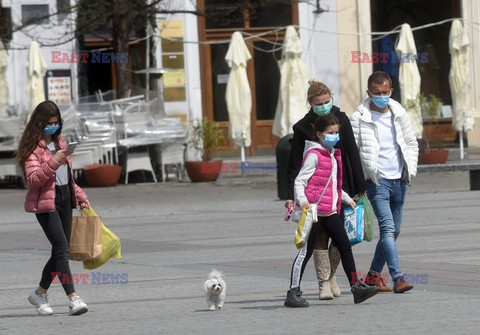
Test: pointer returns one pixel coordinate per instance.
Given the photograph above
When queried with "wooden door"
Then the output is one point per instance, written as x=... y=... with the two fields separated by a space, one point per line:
x=264 y=44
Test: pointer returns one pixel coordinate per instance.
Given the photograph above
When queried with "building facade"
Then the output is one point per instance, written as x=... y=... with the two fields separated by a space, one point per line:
x=54 y=33
x=193 y=49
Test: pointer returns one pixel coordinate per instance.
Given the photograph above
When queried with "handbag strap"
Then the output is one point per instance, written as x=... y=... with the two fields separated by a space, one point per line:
x=328 y=181
x=325 y=188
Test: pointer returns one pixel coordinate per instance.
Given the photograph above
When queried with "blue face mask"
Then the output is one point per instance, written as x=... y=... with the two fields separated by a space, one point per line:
x=323 y=109
x=50 y=130
x=330 y=140
x=381 y=101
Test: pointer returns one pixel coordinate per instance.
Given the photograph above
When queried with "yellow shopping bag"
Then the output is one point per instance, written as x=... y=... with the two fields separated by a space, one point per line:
x=304 y=227
x=112 y=248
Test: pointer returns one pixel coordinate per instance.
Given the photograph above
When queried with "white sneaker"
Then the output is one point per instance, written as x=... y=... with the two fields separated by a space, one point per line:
x=77 y=306
x=41 y=302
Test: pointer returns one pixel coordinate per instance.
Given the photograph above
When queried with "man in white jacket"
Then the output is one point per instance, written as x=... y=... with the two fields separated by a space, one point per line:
x=389 y=153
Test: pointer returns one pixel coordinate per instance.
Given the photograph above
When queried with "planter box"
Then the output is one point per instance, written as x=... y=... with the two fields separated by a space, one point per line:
x=440 y=131
x=203 y=171
x=439 y=156
x=102 y=175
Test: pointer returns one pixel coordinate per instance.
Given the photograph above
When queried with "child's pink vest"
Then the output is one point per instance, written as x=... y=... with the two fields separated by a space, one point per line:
x=318 y=180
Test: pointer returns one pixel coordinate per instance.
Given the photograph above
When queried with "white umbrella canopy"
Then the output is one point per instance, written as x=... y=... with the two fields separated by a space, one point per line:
x=459 y=78
x=4 y=95
x=409 y=77
x=36 y=68
x=292 y=93
x=238 y=94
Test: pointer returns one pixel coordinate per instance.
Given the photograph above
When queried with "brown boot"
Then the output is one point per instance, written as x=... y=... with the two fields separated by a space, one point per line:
x=401 y=286
x=322 y=267
x=376 y=280
x=335 y=257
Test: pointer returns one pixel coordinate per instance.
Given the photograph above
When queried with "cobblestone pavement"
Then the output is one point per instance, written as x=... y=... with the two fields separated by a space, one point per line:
x=173 y=233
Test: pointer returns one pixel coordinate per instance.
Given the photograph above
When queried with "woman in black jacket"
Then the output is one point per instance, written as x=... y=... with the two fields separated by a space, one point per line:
x=326 y=259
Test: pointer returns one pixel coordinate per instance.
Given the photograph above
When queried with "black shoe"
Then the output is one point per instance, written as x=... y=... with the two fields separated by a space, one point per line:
x=362 y=292
x=294 y=298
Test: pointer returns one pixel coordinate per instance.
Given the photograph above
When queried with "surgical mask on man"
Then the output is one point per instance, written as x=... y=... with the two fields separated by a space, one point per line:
x=381 y=101
x=323 y=109
x=331 y=139
x=50 y=130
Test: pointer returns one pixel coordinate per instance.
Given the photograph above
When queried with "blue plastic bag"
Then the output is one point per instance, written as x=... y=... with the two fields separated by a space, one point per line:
x=354 y=222
x=369 y=215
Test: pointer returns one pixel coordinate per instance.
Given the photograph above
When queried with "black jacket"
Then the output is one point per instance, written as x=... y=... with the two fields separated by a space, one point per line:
x=353 y=179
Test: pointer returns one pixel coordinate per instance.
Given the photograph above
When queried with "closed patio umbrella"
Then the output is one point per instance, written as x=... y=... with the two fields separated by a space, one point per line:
x=3 y=81
x=409 y=77
x=238 y=94
x=292 y=93
x=459 y=79
x=36 y=68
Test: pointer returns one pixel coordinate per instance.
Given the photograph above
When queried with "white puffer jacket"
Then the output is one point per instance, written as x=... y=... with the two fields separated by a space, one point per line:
x=365 y=132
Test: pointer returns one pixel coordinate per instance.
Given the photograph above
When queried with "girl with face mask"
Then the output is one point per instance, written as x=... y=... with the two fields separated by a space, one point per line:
x=52 y=193
x=326 y=258
x=320 y=181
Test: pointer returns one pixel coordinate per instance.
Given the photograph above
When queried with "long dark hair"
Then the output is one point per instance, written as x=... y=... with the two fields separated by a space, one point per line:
x=33 y=132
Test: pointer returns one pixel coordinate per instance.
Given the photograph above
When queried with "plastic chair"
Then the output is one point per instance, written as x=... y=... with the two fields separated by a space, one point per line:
x=133 y=121
x=172 y=154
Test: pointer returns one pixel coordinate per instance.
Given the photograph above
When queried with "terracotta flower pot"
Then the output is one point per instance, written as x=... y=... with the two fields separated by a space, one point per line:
x=102 y=175
x=439 y=156
x=203 y=171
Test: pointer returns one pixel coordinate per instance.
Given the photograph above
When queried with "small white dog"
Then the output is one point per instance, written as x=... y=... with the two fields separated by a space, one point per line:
x=215 y=290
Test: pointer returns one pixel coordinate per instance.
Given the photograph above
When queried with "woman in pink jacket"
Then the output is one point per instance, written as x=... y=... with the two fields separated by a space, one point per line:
x=52 y=193
x=320 y=182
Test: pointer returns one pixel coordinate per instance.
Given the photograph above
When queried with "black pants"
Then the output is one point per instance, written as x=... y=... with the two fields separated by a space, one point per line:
x=333 y=226
x=58 y=227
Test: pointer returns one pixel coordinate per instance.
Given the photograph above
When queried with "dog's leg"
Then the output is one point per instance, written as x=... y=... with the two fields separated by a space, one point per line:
x=210 y=303
x=221 y=298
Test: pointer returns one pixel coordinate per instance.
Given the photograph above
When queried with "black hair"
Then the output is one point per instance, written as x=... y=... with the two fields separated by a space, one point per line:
x=378 y=77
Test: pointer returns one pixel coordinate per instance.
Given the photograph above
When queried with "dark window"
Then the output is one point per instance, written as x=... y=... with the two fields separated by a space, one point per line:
x=63 y=8
x=5 y=24
x=222 y=14
x=267 y=80
x=220 y=72
x=431 y=43
x=35 y=14
x=273 y=14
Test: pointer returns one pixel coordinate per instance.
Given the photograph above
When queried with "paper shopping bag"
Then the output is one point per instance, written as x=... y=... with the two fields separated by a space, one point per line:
x=112 y=248
x=354 y=223
x=86 y=238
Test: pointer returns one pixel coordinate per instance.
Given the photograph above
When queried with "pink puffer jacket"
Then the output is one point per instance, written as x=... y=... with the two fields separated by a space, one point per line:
x=40 y=168
x=319 y=179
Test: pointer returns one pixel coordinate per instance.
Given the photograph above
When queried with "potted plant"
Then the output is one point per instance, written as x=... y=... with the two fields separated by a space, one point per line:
x=431 y=145
x=204 y=137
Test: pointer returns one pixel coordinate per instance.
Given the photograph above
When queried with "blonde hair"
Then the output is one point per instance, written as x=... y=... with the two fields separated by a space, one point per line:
x=316 y=88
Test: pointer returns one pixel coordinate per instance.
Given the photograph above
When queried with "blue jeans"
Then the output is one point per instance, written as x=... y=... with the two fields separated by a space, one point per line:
x=387 y=202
